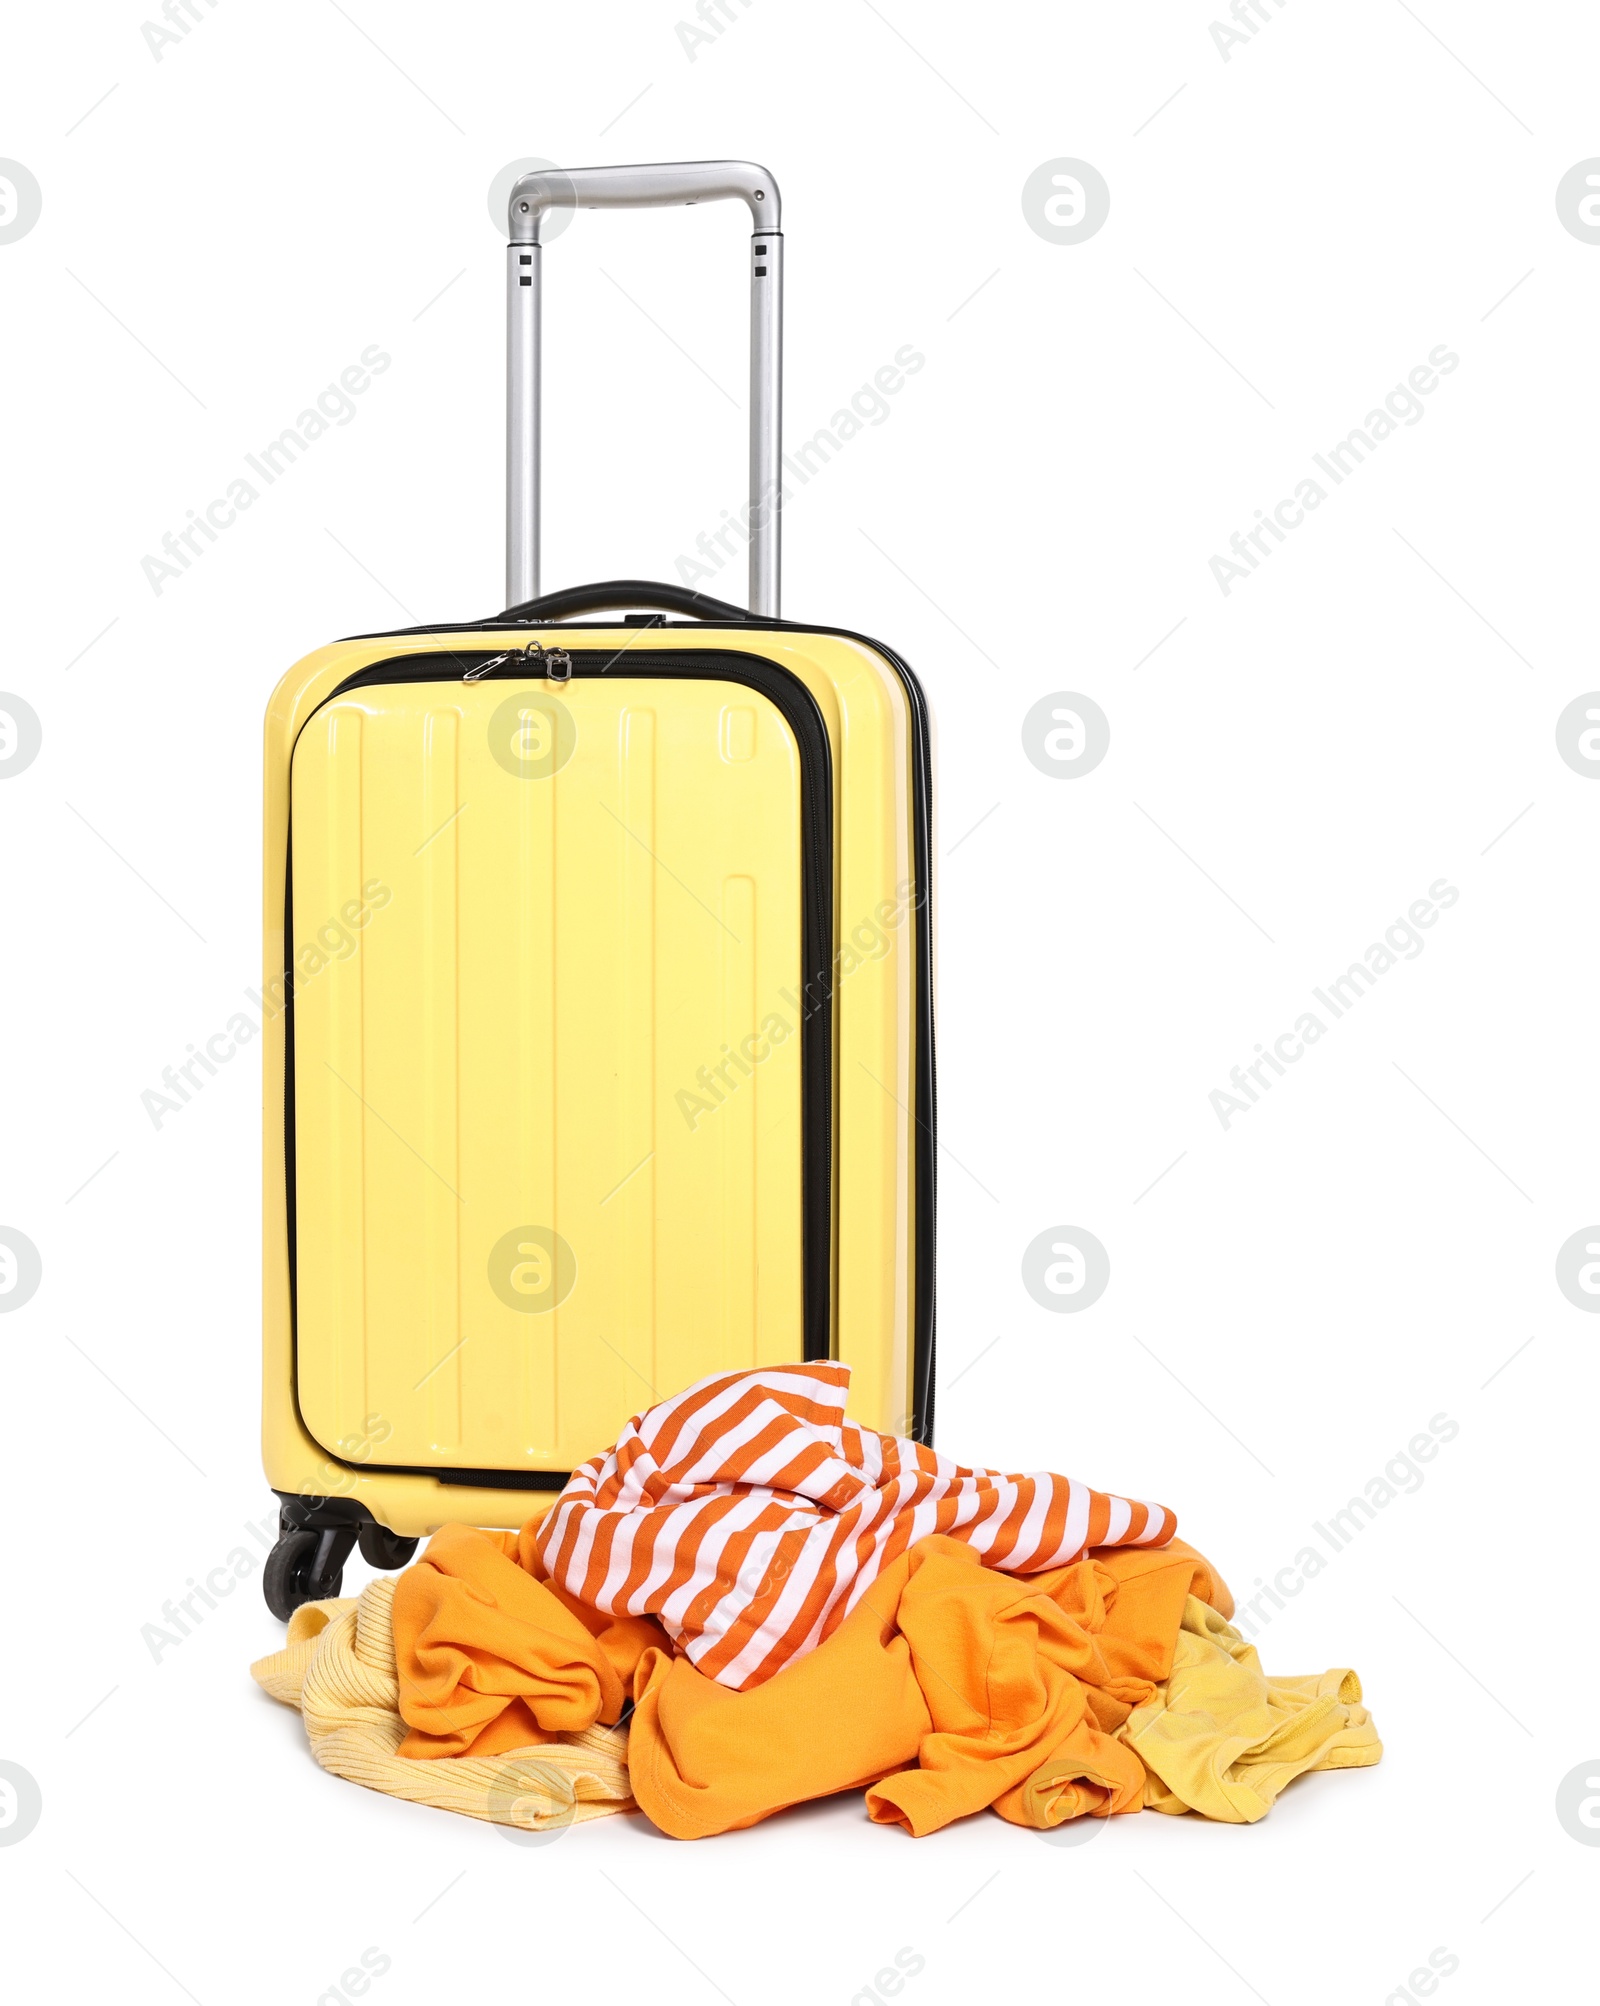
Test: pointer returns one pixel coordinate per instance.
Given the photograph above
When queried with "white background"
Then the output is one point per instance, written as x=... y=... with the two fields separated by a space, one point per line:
x=1294 y=764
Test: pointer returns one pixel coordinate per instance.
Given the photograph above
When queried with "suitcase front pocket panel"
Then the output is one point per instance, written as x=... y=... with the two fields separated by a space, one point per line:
x=548 y=1102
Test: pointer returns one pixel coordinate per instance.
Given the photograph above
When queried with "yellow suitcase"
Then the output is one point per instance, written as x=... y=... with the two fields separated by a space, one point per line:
x=599 y=1016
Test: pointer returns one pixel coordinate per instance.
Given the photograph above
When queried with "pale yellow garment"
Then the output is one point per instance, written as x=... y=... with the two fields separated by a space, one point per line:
x=338 y=1667
x=1222 y=1737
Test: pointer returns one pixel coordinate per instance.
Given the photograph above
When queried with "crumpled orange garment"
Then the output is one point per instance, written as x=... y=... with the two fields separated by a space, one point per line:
x=489 y=1659
x=948 y=1688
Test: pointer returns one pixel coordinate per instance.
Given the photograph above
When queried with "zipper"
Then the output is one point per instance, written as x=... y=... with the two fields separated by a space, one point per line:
x=799 y=709
x=556 y=663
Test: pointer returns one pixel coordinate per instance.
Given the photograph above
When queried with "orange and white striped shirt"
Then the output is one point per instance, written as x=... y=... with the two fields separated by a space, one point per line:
x=750 y=1517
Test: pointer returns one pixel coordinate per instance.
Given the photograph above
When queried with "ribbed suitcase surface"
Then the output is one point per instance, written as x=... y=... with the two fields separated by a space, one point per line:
x=578 y=904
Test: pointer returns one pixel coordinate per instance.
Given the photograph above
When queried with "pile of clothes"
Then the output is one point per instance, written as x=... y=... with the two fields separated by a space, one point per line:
x=749 y=1602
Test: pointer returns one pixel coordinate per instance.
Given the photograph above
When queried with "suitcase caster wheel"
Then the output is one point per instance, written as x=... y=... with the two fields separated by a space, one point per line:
x=385 y=1549
x=304 y=1566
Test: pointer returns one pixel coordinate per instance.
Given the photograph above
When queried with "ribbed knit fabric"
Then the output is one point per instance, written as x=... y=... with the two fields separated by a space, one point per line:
x=338 y=1667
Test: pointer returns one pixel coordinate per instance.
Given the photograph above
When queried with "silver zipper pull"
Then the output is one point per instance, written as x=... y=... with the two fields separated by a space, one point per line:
x=477 y=674
x=556 y=663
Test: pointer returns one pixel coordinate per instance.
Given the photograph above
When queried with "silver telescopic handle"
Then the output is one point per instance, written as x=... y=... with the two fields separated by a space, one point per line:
x=644 y=187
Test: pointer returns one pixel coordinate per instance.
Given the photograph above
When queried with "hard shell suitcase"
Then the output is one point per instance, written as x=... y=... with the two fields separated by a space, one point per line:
x=599 y=1040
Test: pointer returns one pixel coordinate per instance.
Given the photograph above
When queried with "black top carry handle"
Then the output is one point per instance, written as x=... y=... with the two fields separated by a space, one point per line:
x=610 y=595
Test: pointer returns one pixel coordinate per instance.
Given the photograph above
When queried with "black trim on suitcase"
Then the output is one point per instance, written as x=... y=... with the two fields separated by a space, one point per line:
x=800 y=711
